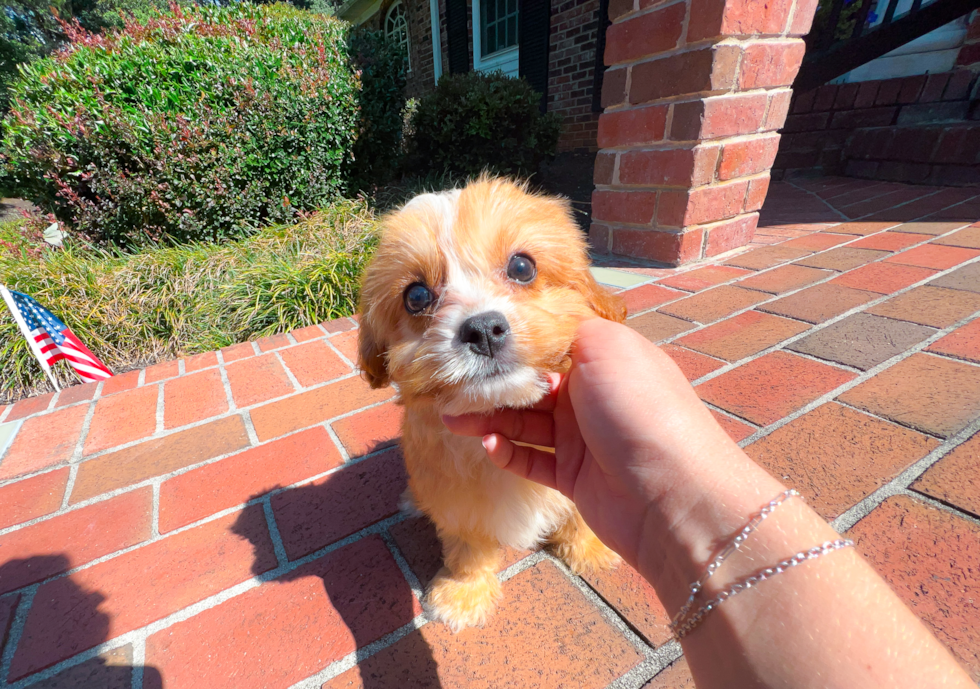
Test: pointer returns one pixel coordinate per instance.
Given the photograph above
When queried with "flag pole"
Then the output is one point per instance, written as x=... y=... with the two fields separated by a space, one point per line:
x=15 y=312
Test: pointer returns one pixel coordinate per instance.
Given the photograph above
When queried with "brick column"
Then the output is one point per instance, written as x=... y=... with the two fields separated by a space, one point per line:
x=693 y=95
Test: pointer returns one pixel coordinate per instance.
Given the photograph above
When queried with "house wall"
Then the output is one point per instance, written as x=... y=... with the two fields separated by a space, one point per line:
x=420 y=78
x=571 y=72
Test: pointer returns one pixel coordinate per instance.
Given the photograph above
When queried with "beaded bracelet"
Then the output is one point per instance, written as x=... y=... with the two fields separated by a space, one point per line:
x=684 y=622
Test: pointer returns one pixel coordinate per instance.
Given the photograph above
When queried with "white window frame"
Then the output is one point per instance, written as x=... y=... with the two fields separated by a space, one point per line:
x=495 y=61
x=408 y=33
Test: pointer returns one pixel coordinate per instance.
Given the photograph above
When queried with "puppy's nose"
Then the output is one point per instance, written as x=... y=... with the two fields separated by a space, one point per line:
x=485 y=333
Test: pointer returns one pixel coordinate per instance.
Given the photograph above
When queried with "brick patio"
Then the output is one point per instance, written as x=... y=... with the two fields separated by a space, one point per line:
x=231 y=519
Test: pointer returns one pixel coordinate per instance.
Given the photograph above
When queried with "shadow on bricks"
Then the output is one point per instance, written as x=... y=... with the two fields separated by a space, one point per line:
x=48 y=625
x=360 y=607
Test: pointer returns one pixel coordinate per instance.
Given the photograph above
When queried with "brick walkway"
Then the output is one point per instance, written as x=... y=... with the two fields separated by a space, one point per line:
x=231 y=519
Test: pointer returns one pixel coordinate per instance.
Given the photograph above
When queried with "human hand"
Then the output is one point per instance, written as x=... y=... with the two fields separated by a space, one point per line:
x=623 y=421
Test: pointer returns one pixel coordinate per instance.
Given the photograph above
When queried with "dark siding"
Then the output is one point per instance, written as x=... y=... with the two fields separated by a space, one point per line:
x=458 y=36
x=534 y=22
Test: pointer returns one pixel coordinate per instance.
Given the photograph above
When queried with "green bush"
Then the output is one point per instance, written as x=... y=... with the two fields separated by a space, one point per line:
x=382 y=64
x=474 y=121
x=133 y=310
x=198 y=125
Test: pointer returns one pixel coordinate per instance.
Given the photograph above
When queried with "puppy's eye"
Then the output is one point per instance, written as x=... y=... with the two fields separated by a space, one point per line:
x=418 y=297
x=521 y=268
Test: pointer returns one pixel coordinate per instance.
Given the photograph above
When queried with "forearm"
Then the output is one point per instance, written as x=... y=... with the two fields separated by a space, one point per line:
x=830 y=622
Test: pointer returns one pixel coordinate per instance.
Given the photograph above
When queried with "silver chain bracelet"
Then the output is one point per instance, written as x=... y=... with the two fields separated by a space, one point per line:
x=684 y=621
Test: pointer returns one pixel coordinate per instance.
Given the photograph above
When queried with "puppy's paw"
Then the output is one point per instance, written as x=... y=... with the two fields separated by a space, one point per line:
x=407 y=504
x=463 y=603
x=587 y=554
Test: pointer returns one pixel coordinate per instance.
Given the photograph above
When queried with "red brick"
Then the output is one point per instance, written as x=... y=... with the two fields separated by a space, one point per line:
x=161 y=371
x=370 y=430
x=77 y=537
x=714 y=18
x=755 y=198
x=736 y=430
x=855 y=456
x=657 y=326
x=314 y=363
x=635 y=207
x=259 y=379
x=109 y=670
x=712 y=305
x=647 y=34
x=748 y=156
x=928 y=557
x=742 y=335
x=120 y=383
x=771 y=63
x=771 y=387
x=784 y=279
x=8 y=608
x=712 y=118
x=677 y=675
x=618 y=8
x=75 y=394
x=702 y=278
x=312 y=332
x=236 y=352
x=861 y=228
x=234 y=480
x=934 y=256
x=963 y=343
x=927 y=305
x=142 y=586
x=158 y=457
x=767 y=257
x=706 y=69
x=819 y=303
x=819 y=241
x=605 y=169
x=347 y=344
x=44 y=441
x=955 y=479
x=692 y=364
x=630 y=127
x=289 y=629
x=968 y=238
x=32 y=497
x=778 y=109
x=613 y=87
x=889 y=241
x=277 y=341
x=731 y=234
x=867 y=94
x=352 y=498
x=647 y=297
x=842 y=258
x=599 y=238
x=675 y=167
x=315 y=406
x=928 y=393
x=31 y=405
x=200 y=361
x=122 y=418
x=883 y=278
x=635 y=600
x=672 y=248
x=193 y=398
x=929 y=227
x=700 y=206
x=584 y=649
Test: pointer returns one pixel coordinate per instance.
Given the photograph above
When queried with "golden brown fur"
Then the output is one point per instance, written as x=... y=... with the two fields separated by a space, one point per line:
x=459 y=244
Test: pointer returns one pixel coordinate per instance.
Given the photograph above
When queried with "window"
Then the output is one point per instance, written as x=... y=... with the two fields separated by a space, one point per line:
x=396 y=28
x=499 y=25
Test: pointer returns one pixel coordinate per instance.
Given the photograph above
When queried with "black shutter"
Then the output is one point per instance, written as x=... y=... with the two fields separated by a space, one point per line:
x=458 y=36
x=534 y=33
x=602 y=23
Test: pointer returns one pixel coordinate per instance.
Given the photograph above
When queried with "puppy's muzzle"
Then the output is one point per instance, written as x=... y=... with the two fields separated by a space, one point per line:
x=485 y=334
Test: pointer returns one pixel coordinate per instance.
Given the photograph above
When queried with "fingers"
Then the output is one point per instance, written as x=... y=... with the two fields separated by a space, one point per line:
x=527 y=462
x=535 y=427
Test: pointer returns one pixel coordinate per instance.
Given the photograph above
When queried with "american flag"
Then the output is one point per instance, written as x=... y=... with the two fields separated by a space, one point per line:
x=51 y=340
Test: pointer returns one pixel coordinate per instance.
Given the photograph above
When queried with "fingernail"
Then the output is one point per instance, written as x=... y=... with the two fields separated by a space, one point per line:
x=489 y=443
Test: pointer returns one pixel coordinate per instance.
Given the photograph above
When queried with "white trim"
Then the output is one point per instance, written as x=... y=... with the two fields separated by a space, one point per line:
x=436 y=39
x=505 y=60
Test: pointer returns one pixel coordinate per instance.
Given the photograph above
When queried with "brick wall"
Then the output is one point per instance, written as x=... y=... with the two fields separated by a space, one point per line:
x=693 y=96
x=969 y=55
x=920 y=129
x=571 y=72
x=420 y=79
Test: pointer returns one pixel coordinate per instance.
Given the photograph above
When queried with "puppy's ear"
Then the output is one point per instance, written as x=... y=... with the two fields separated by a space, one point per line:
x=605 y=304
x=371 y=355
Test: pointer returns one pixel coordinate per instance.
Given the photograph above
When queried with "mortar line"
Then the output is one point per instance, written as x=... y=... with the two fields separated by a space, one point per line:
x=69 y=486
x=343 y=357
x=270 y=521
x=16 y=630
x=413 y=582
x=139 y=660
x=901 y=482
x=337 y=442
x=253 y=437
x=226 y=384
x=289 y=374
x=940 y=505
x=76 y=455
x=159 y=410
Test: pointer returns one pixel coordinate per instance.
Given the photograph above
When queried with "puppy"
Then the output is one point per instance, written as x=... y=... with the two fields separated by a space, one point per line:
x=473 y=297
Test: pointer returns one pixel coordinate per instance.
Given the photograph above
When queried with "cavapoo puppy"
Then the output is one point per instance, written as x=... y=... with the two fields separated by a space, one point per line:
x=473 y=297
